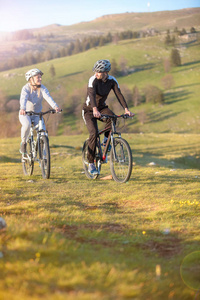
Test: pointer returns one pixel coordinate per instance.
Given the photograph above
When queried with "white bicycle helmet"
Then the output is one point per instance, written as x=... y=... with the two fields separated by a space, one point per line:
x=32 y=73
x=101 y=66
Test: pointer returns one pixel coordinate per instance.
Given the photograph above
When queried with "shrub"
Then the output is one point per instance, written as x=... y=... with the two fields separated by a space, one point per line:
x=136 y=96
x=175 y=58
x=167 y=65
x=153 y=94
x=167 y=81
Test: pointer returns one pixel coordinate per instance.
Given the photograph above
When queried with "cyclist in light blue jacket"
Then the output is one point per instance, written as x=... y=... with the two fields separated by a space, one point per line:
x=31 y=98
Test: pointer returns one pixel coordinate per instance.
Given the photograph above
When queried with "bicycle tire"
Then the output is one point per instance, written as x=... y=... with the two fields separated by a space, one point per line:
x=45 y=163
x=121 y=168
x=27 y=160
x=86 y=162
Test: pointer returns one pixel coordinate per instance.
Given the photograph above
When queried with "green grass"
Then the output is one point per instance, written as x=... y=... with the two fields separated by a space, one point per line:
x=72 y=238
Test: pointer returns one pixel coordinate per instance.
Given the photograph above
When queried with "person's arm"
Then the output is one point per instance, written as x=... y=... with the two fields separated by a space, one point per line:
x=121 y=98
x=23 y=100
x=118 y=94
x=46 y=95
x=91 y=91
x=92 y=96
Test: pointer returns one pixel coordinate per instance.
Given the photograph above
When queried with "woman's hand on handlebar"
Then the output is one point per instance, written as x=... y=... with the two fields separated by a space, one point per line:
x=22 y=112
x=58 y=109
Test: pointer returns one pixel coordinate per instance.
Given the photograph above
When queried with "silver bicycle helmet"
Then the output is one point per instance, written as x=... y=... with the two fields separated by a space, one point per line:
x=32 y=73
x=101 y=66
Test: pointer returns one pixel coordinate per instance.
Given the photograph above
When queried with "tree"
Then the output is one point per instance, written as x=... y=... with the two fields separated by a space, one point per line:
x=167 y=81
x=123 y=66
x=153 y=94
x=175 y=58
x=192 y=30
x=167 y=65
x=167 y=40
x=52 y=71
x=77 y=47
x=115 y=39
x=136 y=96
x=47 y=55
x=114 y=69
x=183 y=32
x=3 y=101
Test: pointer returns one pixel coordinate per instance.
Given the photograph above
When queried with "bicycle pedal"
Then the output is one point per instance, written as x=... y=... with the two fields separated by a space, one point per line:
x=24 y=158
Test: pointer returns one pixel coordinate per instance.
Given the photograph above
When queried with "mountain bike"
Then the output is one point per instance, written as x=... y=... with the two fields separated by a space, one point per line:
x=37 y=148
x=120 y=153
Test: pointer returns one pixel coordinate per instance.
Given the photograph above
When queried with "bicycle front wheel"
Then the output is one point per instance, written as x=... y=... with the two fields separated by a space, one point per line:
x=121 y=160
x=86 y=162
x=27 y=160
x=45 y=157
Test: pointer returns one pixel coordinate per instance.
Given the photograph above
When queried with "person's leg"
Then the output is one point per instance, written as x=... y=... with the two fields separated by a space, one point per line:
x=25 y=129
x=107 y=111
x=92 y=127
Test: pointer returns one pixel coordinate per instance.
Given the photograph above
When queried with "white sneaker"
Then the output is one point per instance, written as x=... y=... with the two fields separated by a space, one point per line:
x=92 y=169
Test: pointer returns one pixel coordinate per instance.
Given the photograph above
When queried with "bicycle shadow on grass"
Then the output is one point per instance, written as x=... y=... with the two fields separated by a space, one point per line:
x=61 y=146
x=7 y=159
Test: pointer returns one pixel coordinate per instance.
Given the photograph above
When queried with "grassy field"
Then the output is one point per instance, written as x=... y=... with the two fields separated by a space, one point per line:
x=72 y=238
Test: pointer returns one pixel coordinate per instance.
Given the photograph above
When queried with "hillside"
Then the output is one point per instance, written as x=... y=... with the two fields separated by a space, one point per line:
x=144 y=60
x=54 y=37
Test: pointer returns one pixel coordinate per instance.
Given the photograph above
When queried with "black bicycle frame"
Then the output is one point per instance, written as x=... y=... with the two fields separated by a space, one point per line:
x=112 y=131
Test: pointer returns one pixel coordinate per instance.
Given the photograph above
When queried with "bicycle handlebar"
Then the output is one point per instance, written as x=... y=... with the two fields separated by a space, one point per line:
x=50 y=111
x=124 y=116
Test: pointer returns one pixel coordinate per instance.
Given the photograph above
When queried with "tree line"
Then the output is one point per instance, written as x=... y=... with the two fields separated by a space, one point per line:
x=78 y=46
x=72 y=48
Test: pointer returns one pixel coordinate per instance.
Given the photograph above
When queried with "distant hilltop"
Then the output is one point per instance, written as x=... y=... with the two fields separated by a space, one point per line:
x=161 y=20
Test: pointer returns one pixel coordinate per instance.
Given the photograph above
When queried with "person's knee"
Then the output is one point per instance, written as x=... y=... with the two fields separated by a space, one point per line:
x=93 y=134
x=26 y=127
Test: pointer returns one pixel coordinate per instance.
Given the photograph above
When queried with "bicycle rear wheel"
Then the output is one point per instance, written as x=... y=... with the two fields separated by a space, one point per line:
x=86 y=162
x=45 y=157
x=121 y=167
x=27 y=160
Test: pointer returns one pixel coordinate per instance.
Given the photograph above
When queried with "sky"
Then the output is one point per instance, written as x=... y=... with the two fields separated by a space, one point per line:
x=26 y=14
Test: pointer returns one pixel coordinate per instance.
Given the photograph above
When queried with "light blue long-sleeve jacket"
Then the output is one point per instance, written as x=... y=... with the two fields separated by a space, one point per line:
x=31 y=101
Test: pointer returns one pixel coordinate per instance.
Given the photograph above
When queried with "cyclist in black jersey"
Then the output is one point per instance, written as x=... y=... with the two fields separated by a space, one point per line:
x=99 y=87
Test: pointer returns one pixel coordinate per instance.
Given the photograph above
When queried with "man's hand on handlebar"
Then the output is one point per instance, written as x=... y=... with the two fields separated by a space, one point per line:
x=96 y=113
x=128 y=112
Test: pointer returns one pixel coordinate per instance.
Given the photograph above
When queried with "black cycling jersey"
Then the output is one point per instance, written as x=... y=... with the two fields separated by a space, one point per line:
x=98 y=91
